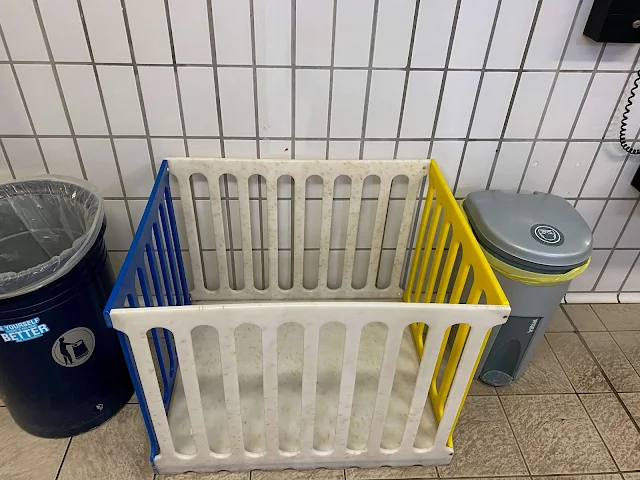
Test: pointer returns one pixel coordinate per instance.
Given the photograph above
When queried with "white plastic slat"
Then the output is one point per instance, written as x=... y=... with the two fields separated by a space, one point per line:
x=435 y=336
x=465 y=369
x=147 y=373
x=192 y=237
x=403 y=237
x=272 y=221
x=270 y=386
x=298 y=229
x=245 y=221
x=352 y=231
x=231 y=387
x=378 y=230
x=347 y=384
x=385 y=384
x=325 y=230
x=218 y=231
x=184 y=348
x=309 y=379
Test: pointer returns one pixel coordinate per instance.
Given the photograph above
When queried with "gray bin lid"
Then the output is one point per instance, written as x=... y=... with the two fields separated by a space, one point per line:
x=535 y=232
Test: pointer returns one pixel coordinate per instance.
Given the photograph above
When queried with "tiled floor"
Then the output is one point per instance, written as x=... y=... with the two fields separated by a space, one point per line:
x=575 y=413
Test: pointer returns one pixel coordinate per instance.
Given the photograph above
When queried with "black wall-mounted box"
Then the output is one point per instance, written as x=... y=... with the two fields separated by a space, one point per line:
x=635 y=182
x=613 y=21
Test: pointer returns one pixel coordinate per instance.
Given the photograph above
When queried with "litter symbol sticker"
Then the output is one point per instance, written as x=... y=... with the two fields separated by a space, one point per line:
x=23 y=331
x=547 y=235
x=74 y=347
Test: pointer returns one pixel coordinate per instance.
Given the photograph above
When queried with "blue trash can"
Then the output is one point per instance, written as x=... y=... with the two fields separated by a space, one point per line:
x=62 y=371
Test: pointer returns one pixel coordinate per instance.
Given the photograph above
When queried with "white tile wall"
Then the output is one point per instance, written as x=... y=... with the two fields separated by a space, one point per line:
x=80 y=91
x=504 y=95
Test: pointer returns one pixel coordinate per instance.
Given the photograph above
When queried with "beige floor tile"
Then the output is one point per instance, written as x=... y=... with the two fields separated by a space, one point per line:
x=317 y=474
x=556 y=435
x=616 y=317
x=206 y=476
x=117 y=450
x=480 y=388
x=632 y=402
x=603 y=476
x=498 y=478
x=575 y=360
x=483 y=442
x=584 y=318
x=616 y=367
x=560 y=322
x=616 y=429
x=631 y=476
x=25 y=457
x=629 y=343
x=543 y=375
x=389 y=473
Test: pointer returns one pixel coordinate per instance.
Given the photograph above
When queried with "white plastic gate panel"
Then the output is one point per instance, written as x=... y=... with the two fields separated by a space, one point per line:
x=311 y=316
x=266 y=261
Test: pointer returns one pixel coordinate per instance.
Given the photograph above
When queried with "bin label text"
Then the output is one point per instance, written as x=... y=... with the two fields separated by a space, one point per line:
x=23 y=331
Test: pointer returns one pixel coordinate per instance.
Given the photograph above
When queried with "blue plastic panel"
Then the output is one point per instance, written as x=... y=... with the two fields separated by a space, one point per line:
x=154 y=270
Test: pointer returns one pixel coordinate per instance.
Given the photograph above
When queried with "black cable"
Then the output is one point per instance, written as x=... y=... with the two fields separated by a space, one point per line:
x=625 y=117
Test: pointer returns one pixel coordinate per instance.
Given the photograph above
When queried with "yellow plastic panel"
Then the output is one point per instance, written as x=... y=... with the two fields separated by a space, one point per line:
x=442 y=221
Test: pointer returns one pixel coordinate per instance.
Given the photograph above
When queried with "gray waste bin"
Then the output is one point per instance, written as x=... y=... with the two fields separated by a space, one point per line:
x=536 y=243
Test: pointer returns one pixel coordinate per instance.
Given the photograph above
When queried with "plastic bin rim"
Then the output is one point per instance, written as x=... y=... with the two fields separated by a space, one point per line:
x=82 y=245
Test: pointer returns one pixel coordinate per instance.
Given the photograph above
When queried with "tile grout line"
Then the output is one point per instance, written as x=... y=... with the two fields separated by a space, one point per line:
x=606 y=203
x=396 y=146
x=367 y=90
x=584 y=408
x=604 y=139
x=334 y=21
x=585 y=96
x=183 y=128
x=550 y=95
x=421 y=189
x=56 y=77
x=309 y=67
x=216 y=82
x=412 y=39
x=513 y=432
x=293 y=33
x=225 y=182
x=477 y=96
x=64 y=457
x=107 y=121
x=555 y=355
x=637 y=371
x=263 y=277
x=608 y=197
x=626 y=277
x=23 y=99
x=577 y=394
x=514 y=93
x=6 y=158
x=615 y=245
x=136 y=76
x=312 y=139
x=339 y=199
x=602 y=372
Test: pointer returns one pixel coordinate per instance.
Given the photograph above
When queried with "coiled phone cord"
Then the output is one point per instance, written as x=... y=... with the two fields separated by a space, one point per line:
x=625 y=117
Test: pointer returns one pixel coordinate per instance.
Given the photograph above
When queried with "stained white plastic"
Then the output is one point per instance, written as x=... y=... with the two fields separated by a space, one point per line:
x=328 y=378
